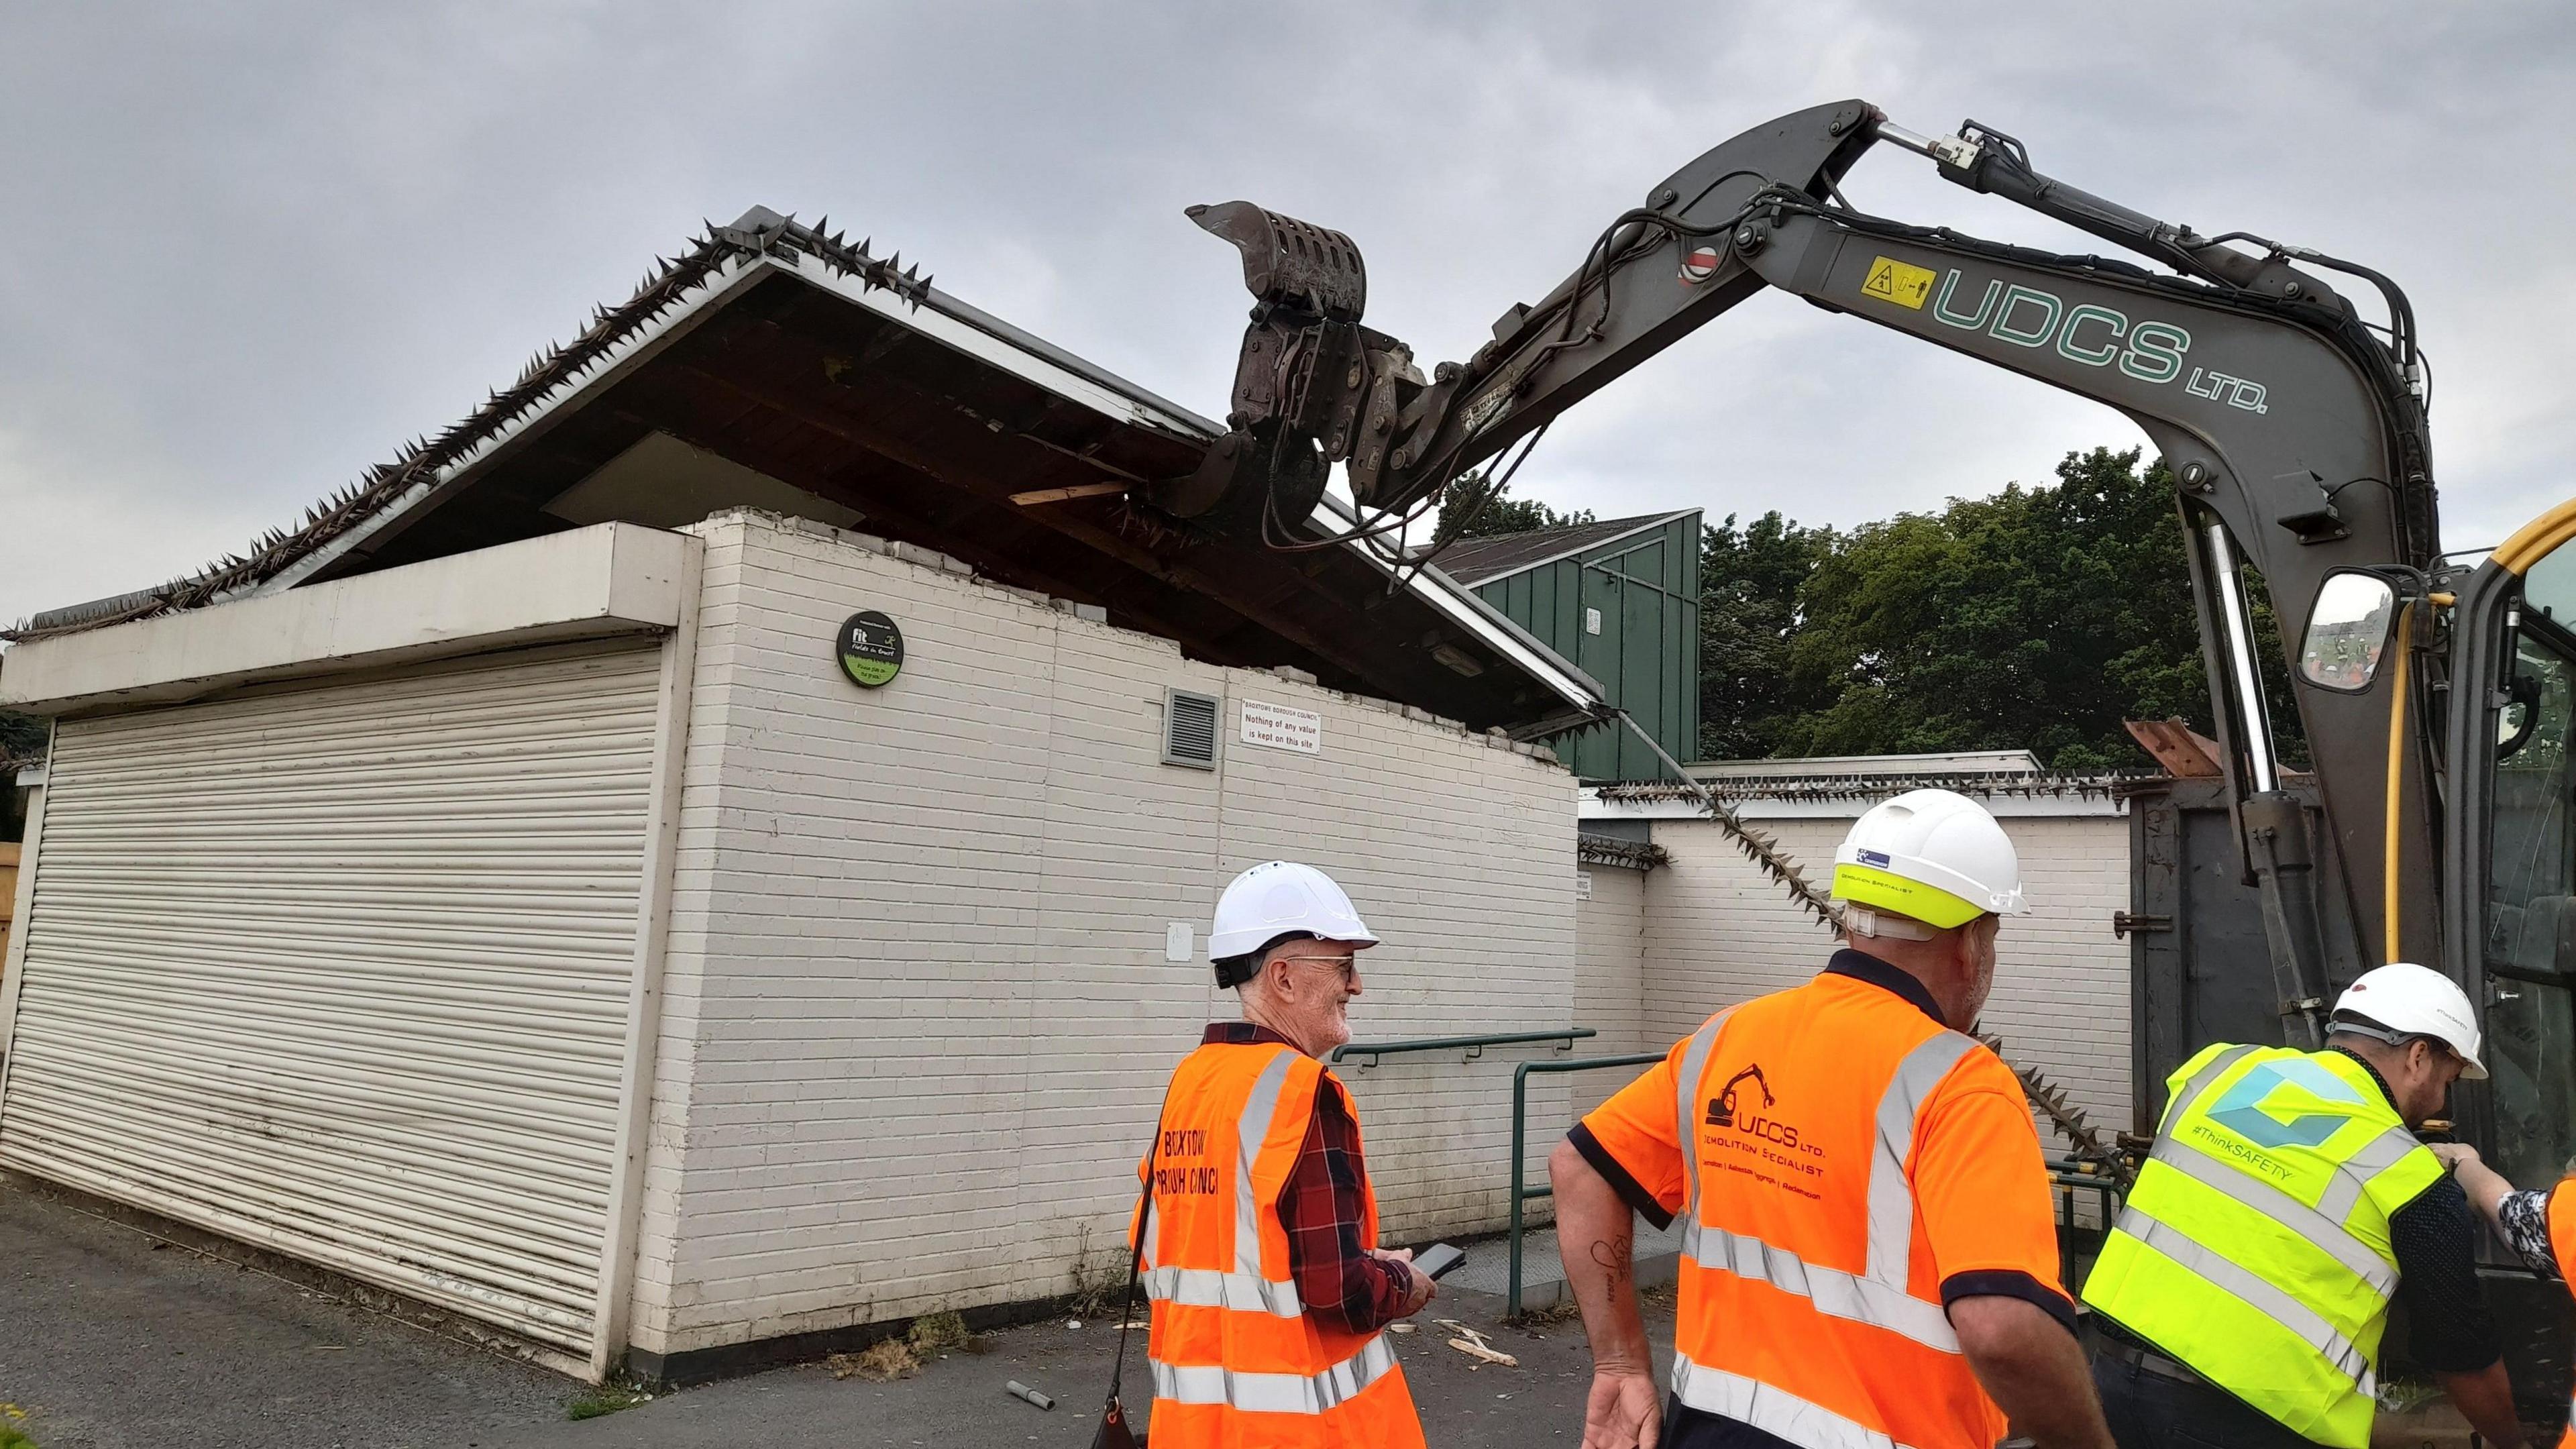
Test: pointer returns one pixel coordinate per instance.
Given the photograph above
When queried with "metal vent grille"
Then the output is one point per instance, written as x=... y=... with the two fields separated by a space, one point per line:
x=1189 y=729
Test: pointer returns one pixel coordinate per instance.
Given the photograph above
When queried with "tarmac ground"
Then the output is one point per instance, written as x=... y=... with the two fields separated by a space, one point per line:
x=108 y=1341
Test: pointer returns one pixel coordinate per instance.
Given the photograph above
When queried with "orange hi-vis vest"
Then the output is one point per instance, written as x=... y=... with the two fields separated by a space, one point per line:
x=1810 y=1306
x=1237 y=1361
x=2562 y=1246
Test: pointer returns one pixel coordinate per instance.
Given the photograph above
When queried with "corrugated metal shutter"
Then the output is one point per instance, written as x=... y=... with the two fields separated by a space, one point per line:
x=344 y=972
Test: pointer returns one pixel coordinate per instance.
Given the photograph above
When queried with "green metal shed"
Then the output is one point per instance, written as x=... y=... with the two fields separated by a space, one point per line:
x=1619 y=599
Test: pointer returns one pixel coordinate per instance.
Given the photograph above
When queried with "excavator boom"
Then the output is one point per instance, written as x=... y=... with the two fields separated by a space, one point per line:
x=2296 y=436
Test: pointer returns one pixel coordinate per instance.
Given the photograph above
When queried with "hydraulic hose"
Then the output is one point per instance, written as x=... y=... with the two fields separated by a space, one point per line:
x=2396 y=782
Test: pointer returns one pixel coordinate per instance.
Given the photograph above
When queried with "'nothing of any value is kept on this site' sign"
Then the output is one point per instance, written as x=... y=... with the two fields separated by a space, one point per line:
x=871 y=649
x=1277 y=727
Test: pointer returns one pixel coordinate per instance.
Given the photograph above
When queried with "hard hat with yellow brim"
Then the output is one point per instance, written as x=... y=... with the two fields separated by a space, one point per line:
x=1883 y=889
x=1934 y=856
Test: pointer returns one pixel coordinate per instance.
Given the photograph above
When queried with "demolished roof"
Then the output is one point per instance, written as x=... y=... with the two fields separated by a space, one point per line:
x=777 y=362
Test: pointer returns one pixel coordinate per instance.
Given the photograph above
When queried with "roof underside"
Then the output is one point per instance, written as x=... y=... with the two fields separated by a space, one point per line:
x=824 y=369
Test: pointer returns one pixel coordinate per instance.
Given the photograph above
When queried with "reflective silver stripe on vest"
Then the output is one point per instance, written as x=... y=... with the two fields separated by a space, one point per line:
x=2199 y=1083
x=1249 y=1131
x=1207 y=1288
x=2321 y=1228
x=1276 y=1393
x=2301 y=1321
x=2353 y=1177
x=1879 y=1297
x=1751 y=1401
x=1686 y=1108
x=1891 y=1196
x=1835 y=1293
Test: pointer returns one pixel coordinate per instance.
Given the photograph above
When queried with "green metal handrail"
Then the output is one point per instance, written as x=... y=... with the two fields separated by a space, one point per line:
x=1520 y=1125
x=2077 y=1244
x=1474 y=1045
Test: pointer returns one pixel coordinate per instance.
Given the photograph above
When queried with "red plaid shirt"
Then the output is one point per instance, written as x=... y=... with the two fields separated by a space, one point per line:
x=1336 y=1278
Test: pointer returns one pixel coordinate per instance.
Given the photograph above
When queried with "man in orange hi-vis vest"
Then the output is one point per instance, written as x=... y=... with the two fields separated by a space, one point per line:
x=1869 y=1254
x=1260 y=1252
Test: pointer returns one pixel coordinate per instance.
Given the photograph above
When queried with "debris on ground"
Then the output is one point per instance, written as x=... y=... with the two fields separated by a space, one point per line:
x=886 y=1360
x=598 y=1402
x=941 y=1332
x=1564 y=1310
x=1473 y=1345
x=1019 y=1390
x=883 y=1362
x=1402 y=1328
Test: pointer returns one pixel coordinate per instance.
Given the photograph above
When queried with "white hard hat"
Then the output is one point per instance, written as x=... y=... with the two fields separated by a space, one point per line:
x=1933 y=855
x=1277 y=898
x=2412 y=1000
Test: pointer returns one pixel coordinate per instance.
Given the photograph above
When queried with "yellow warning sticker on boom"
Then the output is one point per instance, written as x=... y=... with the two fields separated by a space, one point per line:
x=1893 y=281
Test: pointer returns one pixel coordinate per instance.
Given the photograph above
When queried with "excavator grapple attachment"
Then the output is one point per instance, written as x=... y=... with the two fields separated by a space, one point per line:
x=1287 y=262
x=1312 y=386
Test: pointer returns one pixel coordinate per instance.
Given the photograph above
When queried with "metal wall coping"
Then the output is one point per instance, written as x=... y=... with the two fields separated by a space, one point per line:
x=606 y=580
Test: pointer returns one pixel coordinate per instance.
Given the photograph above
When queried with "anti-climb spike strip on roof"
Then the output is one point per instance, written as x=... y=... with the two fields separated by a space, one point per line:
x=660 y=289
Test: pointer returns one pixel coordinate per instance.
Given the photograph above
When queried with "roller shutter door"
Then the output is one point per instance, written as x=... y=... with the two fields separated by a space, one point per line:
x=344 y=971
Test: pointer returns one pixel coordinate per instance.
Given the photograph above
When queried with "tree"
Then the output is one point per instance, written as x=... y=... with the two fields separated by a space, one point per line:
x=1748 y=614
x=21 y=738
x=1460 y=517
x=2038 y=618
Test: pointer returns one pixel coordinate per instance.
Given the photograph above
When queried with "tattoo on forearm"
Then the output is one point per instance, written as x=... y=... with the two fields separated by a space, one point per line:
x=1615 y=1256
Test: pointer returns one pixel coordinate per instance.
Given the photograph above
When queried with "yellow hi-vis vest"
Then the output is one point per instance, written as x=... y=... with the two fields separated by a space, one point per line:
x=2255 y=1245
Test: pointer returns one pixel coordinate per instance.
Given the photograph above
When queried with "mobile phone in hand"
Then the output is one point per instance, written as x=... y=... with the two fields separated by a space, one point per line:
x=1437 y=1260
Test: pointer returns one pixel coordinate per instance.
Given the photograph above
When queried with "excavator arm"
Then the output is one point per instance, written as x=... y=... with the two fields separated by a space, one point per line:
x=2294 y=430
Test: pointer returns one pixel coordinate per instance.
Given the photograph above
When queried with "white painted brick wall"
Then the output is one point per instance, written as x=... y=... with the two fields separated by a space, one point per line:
x=916 y=1017
x=2061 y=999
x=1609 y=988
x=1718 y=931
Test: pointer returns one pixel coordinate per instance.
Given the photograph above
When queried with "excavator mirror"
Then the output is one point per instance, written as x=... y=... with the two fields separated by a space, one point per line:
x=2347 y=630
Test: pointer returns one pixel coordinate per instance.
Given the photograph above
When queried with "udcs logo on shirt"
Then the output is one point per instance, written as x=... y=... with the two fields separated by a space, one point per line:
x=1721 y=1108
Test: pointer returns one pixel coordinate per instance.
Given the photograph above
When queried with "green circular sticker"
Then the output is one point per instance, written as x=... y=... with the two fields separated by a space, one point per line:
x=871 y=649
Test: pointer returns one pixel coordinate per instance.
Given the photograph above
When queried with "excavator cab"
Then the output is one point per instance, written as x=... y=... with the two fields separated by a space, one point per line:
x=2514 y=834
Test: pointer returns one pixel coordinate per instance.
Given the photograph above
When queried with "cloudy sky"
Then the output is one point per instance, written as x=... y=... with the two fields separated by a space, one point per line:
x=250 y=248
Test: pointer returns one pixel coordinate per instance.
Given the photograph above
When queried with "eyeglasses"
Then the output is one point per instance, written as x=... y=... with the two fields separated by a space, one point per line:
x=1347 y=967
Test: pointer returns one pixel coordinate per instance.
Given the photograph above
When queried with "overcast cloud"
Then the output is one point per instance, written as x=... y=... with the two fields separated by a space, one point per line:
x=251 y=248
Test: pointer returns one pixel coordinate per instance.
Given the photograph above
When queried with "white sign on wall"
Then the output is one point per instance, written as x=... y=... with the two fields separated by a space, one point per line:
x=1583 y=885
x=1277 y=727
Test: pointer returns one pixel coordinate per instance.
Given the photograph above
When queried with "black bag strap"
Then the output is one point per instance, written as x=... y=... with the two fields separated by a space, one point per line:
x=1136 y=1253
